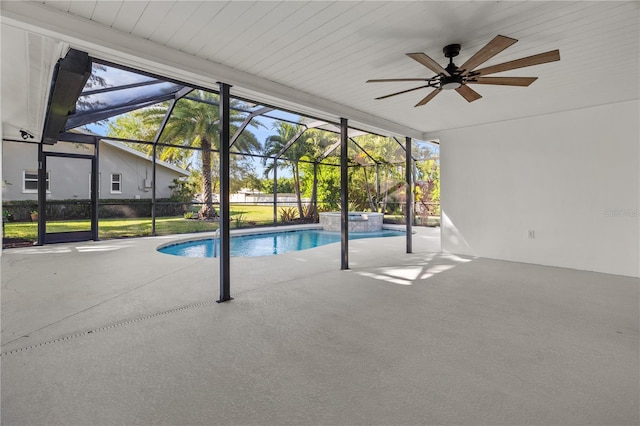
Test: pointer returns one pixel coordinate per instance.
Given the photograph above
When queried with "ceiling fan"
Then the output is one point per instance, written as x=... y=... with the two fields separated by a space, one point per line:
x=458 y=78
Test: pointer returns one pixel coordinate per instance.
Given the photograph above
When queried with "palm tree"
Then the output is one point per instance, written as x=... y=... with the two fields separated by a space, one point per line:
x=274 y=146
x=317 y=142
x=195 y=123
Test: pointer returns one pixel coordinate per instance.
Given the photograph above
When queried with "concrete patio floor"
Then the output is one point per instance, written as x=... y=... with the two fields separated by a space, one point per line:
x=113 y=332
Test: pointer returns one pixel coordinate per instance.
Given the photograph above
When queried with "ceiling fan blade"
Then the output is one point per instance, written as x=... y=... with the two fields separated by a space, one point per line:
x=387 y=80
x=491 y=49
x=428 y=97
x=428 y=62
x=540 y=58
x=468 y=93
x=400 y=93
x=503 y=81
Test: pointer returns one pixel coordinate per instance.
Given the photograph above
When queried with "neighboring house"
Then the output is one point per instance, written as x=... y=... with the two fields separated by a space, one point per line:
x=124 y=173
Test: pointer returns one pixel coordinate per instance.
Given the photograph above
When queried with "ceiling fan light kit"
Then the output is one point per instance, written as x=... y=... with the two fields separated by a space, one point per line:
x=457 y=78
x=451 y=83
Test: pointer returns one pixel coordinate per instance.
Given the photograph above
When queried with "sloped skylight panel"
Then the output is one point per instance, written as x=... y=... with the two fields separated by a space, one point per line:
x=112 y=91
x=127 y=96
x=105 y=76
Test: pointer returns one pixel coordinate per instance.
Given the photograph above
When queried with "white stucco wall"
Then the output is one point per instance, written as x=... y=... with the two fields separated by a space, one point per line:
x=572 y=178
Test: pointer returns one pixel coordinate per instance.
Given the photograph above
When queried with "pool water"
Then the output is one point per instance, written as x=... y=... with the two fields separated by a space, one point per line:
x=268 y=244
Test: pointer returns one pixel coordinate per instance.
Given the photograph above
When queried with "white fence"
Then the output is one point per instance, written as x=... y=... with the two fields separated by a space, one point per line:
x=259 y=198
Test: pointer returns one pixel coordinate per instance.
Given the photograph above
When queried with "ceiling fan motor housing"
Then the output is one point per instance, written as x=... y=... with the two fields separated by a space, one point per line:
x=451 y=50
x=454 y=79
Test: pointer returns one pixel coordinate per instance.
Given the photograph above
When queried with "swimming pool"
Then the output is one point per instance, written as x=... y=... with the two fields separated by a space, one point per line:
x=268 y=244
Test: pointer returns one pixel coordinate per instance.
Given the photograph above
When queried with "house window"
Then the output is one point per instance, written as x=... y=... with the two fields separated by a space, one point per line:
x=116 y=183
x=30 y=181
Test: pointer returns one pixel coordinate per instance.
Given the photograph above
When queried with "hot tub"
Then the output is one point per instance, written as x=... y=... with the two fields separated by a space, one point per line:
x=358 y=221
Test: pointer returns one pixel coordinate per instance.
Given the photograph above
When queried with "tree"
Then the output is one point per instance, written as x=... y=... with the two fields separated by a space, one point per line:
x=143 y=125
x=327 y=185
x=317 y=142
x=194 y=123
x=285 y=185
x=95 y=81
x=363 y=161
x=385 y=152
x=428 y=186
x=242 y=175
x=303 y=146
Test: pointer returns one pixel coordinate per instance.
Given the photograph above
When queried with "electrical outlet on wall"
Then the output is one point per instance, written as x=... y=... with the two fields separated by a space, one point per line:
x=532 y=234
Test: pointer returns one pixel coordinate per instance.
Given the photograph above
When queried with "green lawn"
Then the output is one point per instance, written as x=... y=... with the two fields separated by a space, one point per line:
x=261 y=214
x=140 y=227
x=242 y=216
x=111 y=228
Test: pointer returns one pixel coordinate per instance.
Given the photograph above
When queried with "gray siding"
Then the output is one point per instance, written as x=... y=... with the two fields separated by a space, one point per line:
x=17 y=157
x=70 y=178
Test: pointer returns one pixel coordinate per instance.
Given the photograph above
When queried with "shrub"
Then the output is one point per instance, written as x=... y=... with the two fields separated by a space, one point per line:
x=240 y=219
x=107 y=208
x=288 y=214
x=308 y=210
x=325 y=208
x=182 y=190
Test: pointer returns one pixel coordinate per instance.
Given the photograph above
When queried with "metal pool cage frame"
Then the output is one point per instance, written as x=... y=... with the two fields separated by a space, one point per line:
x=87 y=90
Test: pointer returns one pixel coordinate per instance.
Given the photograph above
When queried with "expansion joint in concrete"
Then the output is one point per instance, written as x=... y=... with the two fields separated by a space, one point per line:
x=108 y=327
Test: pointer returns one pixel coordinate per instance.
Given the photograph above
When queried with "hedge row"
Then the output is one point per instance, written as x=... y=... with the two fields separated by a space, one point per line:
x=20 y=211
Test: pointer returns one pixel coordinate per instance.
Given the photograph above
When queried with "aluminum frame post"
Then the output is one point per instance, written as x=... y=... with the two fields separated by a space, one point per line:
x=314 y=198
x=153 y=190
x=409 y=194
x=378 y=187
x=275 y=192
x=42 y=194
x=344 y=200
x=414 y=193
x=225 y=240
x=95 y=191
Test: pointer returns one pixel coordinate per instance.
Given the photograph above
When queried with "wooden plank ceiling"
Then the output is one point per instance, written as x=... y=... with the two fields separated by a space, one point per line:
x=327 y=50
